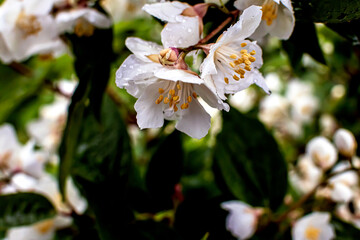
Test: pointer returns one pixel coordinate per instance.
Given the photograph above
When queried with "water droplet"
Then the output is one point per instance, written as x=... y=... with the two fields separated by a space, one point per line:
x=131 y=66
x=189 y=30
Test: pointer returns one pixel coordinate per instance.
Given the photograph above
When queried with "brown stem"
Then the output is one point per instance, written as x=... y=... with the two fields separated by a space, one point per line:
x=234 y=14
x=21 y=68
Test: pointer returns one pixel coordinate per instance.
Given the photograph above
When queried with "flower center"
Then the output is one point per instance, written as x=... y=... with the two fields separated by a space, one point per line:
x=28 y=24
x=312 y=233
x=269 y=9
x=176 y=93
x=239 y=61
x=83 y=28
x=45 y=226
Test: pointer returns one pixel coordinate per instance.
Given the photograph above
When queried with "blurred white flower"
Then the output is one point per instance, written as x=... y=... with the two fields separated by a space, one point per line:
x=184 y=23
x=342 y=185
x=296 y=89
x=14 y=157
x=26 y=29
x=274 y=82
x=307 y=176
x=244 y=100
x=242 y=219
x=274 y=109
x=327 y=124
x=81 y=20
x=277 y=17
x=232 y=62
x=123 y=9
x=322 y=152
x=313 y=226
x=345 y=142
x=304 y=108
x=163 y=91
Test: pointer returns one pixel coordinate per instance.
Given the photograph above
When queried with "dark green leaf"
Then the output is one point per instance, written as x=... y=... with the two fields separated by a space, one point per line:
x=248 y=163
x=345 y=231
x=24 y=209
x=164 y=171
x=303 y=40
x=327 y=11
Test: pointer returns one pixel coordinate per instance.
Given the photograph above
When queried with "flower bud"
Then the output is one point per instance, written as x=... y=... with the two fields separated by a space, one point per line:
x=322 y=152
x=345 y=142
x=169 y=56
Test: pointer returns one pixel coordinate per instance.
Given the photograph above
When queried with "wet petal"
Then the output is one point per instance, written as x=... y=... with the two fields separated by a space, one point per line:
x=167 y=11
x=142 y=48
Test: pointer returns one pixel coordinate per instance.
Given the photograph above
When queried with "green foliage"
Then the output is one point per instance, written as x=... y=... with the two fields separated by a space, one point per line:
x=345 y=231
x=24 y=209
x=248 y=162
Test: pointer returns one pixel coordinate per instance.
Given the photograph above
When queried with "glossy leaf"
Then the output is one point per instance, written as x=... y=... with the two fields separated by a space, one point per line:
x=24 y=209
x=248 y=163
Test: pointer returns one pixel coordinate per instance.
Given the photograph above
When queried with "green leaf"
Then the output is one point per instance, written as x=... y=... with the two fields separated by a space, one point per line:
x=92 y=65
x=101 y=167
x=303 y=40
x=24 y=209
x=327 y=11
x=248 y=163
x=164 y=171
x=344 y=231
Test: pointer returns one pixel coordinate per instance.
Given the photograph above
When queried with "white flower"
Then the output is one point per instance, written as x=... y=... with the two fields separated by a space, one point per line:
x=274 y=110
x=184 y=26
x=304 y=108
x=296 y=89
x=164 y=92
x=233 y=62
x=314 y=226
x=27 y=28
x=242 y=219
x=277 y=17
x=244 y=100
x=82 y=21
x=345 y=142
x=122 y=9
x=322 y=152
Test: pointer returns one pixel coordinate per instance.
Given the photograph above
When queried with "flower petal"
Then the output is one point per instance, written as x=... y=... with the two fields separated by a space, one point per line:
x=195 y=121
x=284 y=24
x=210 y=97
x=182 y=34
x=166 y=11
x=149 y=114
x=142 y=48
x=177 y=75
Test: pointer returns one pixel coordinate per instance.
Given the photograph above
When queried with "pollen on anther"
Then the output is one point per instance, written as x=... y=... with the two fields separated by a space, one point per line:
x=172 y=92
x=175 y=98
x=175 y=108
x=247 y=67
x=189 y=98
x=184 y=106
x=252 y=59
x=243 y=44
x=253 y=52
x=194 y=95
x=226 y=80
x=236 y=78
x=232 y=64
x=243 y=51
x=233 y=56
x=161 y=91
x=166 y=100
x=178 y=86
x=247 y=62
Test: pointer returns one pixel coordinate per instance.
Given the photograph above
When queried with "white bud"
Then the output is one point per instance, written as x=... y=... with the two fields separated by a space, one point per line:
x=242 y=219
x=345 y=142
x=322 y=152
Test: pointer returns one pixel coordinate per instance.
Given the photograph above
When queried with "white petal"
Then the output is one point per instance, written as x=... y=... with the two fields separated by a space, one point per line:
x=195 y=121
x=149 y=114
x=208 y=66
x=287 y=4
x=166 y=11
x=284 y=24
x=135 y=75
x=182 y=34
x=341 y=193
x=177 y=75
x=210 y=97
x=142 y=48
x=243 y=4
x=74 y=197
x=38 y=7
x=247 y=24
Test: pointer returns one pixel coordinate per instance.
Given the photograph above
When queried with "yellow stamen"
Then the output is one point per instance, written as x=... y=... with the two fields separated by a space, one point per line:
x=233 y=56
x=194 y=95
x=252 y=59
x=247 y=67
x=312 y=233
x=175 y=98
x=242 y=76
x=247 y=62
x=232 y=64
x=175 y=108
x=226 y=80
x=243 y=44
x=172 y=92
x=243 y=51
x=161 y=91
x=253 y=52
x=189 y=98
x=166 y=100
x=236 y=78
x=178 y=86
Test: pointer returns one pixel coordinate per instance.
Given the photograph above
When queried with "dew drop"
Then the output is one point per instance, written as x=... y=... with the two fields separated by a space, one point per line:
x=189 y=30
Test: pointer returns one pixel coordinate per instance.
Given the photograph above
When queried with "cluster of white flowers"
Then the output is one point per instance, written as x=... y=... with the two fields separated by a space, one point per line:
x=30 y=27
x=165 y=86
x=23 y=168
x=242 y=222
x=288 y=113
